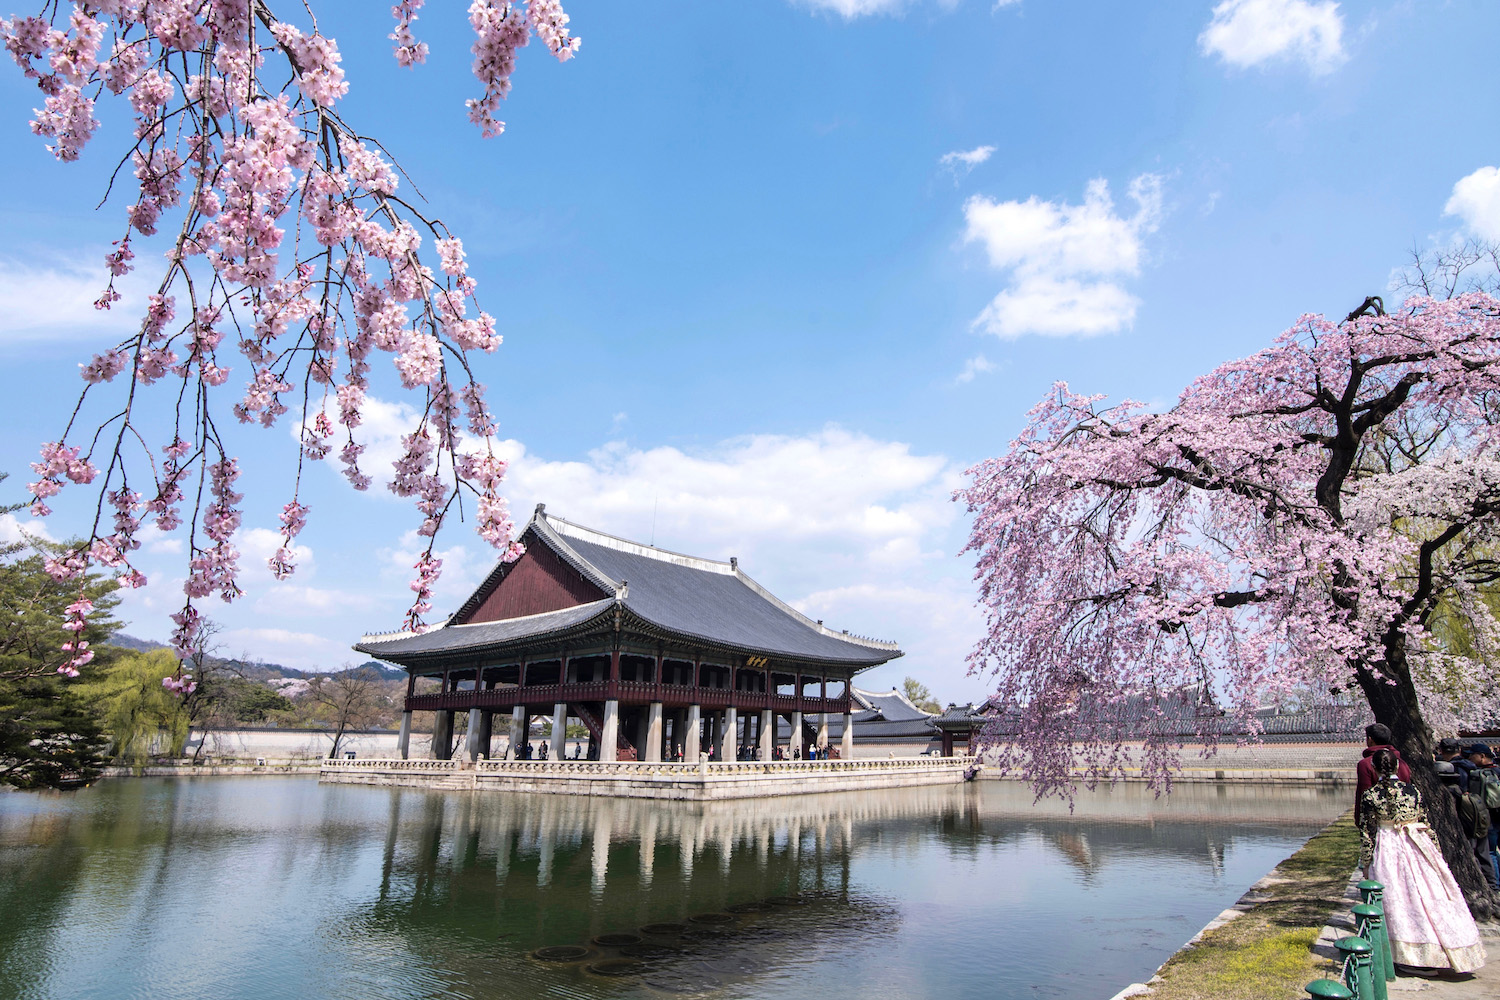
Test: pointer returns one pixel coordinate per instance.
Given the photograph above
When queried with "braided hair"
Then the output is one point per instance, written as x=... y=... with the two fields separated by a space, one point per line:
x=1385 y=762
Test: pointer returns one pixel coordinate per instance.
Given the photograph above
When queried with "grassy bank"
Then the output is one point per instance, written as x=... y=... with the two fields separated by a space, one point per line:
x=1266 y=953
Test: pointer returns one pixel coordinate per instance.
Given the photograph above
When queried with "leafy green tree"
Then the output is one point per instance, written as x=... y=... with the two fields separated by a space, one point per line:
x=917 y=693
x=49 y=735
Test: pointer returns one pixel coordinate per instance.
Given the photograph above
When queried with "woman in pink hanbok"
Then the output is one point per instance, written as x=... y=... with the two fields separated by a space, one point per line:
x=1425 y=913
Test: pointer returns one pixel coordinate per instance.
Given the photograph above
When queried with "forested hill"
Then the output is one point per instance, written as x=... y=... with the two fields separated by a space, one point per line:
x=256 y=670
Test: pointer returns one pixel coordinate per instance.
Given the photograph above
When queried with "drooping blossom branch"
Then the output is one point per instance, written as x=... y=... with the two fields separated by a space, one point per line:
x=287 y=242
x=1293 y=523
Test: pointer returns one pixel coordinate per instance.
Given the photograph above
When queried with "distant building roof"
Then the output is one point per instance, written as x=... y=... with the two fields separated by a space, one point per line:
x=885 y=716
x=675 y=596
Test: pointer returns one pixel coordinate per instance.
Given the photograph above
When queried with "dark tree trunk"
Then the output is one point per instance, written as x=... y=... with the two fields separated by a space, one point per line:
x=1395 y=705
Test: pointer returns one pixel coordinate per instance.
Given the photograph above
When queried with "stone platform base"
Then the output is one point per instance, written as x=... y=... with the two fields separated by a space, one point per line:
x=683 y=782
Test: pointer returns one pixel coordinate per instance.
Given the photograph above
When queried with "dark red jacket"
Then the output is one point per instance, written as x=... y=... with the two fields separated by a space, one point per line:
x=1365 y=771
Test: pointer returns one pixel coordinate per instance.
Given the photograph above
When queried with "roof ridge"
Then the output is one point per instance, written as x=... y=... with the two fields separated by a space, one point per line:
x=565 y=528
x=403 y=633
x=537 y=614
x=541 y=522
x=815 y=625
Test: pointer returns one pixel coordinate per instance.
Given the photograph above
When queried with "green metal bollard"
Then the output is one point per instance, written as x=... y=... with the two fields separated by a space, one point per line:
x=1328 y=989
x=1373 y=892
x=1369 y=923
x=1356 y=952
x=1378 y=929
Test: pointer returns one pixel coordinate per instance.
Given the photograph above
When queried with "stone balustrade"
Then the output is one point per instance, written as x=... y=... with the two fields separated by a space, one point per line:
x=640 y=779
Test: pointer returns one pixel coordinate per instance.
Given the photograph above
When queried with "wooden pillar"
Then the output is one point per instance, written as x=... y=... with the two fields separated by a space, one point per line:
x=947 y=743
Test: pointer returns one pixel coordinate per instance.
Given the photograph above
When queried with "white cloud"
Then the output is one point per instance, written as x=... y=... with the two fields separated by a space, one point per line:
x=866 y=502
x=1064 y=260
x=820 y=518
x=851 y=9
x=960 y=162
x=1245 y=33
x=977 y=365
x=939 y=615
x=1476 y=200
x=257 y=545
x=13 y=530
x=56 y=297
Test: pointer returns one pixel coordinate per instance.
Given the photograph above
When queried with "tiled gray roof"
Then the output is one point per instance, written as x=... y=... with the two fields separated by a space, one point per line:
x=696 y=599
x=891 y=706
x=715 y=601
x=452 y=638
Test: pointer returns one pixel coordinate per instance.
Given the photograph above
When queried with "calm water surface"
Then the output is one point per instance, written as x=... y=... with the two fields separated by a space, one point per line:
x=265 y=887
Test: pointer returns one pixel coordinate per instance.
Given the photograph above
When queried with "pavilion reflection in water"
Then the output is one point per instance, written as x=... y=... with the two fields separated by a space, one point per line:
x=546 y=871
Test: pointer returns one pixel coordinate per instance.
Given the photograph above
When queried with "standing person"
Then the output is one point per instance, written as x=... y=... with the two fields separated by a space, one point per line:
x=1425 y=914
x=1484 y=779
x=1377 y=737
x=1451 y=751
x=542 y=754
x=1473 y=816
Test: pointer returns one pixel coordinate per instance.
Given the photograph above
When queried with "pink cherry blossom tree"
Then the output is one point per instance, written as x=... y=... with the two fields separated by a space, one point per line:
x=291 y=261
x=1293 y=522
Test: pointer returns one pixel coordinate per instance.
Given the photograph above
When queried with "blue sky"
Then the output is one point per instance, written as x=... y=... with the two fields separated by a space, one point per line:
x=772 y=274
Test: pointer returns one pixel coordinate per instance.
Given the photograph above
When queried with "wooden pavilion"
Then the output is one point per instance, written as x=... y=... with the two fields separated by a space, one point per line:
x=655 y=653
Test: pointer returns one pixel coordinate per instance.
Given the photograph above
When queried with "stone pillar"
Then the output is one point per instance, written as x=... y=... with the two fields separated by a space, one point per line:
x=823 y=730
x=729 y=741
x=847 y=750
x=767 y=734
x=690 y=748
x=403 y=742
x=559 y=730
x=442 y=735
x=517 y=732
x=794 y=746
x=471 y=735
x=609 y=737
x=642 y=734
x=486 y=731
x=653 y=733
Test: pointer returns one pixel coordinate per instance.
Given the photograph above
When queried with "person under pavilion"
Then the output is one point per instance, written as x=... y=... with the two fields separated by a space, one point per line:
x=652 y=651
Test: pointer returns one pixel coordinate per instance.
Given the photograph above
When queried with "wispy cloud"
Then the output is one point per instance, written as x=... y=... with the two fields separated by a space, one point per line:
x=1064 y=261
x=977 y=365
x=960 y=162
x=851 y=9
x=50 y=298
x=1246 y=33
x=1476 y=200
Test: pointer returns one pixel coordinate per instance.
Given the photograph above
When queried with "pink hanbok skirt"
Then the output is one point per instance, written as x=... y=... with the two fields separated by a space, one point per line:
x=1425 y=913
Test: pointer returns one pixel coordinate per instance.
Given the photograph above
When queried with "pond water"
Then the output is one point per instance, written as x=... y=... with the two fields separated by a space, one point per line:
x=268 y=887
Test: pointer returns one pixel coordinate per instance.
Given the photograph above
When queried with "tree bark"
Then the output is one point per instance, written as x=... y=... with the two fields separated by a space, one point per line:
x=1395 y=705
